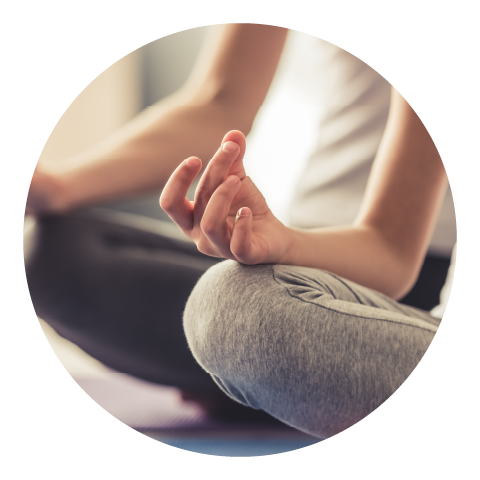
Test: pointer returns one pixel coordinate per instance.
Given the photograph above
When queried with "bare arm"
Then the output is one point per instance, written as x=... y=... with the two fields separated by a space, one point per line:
x=385 y=247
x=225 y=91
x=382 y=250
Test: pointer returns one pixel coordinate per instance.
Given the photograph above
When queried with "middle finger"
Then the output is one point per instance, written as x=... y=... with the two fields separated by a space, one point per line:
x=214 y=175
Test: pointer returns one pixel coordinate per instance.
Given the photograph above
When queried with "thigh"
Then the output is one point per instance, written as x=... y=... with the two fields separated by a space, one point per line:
x=312 y=349
x=116 y=285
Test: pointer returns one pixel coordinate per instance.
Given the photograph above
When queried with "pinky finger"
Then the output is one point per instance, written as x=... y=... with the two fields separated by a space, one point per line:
x=241 y=244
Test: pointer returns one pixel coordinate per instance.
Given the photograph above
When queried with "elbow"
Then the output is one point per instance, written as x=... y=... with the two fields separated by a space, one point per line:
x=234 y=110
x=406 y=274
x=397 y=263
x=399 y=291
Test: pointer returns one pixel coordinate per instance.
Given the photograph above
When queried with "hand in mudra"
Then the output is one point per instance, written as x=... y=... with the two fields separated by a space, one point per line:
x=229 y=217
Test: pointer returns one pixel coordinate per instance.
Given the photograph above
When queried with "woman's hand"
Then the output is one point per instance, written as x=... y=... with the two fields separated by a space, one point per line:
x=46 y=194
x=229 y=217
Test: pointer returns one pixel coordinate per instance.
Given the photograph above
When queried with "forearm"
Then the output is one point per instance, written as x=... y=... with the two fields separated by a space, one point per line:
x=385 y=247
x=140 y=157
x=357 y=253
x=224 y=92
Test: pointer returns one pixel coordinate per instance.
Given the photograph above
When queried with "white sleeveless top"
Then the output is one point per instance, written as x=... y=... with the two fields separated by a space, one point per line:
x=348 y=103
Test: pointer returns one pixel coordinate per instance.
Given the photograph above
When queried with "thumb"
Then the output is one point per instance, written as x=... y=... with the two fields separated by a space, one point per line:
x=241 y=244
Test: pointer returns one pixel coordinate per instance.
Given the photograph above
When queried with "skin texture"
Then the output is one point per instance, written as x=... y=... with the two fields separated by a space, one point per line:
x=213 y=220
x=383 y=250
x=224 y=92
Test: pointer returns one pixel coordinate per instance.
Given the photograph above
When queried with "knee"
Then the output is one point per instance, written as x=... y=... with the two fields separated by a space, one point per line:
x=237 y=313
x=219 y=318
x=208 y=319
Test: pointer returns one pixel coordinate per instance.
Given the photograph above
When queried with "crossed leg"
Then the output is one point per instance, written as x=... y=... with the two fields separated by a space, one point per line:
x=116 y=285
x=310 y=348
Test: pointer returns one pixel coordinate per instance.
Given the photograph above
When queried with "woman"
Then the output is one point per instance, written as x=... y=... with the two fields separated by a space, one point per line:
x=117 y=288
x=315 y=349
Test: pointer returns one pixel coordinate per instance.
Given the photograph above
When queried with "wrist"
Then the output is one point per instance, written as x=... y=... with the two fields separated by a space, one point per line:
x=48 y=193
x=290 y=237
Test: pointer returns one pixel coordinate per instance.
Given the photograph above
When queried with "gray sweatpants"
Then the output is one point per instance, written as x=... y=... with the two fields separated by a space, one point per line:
x=312 y=349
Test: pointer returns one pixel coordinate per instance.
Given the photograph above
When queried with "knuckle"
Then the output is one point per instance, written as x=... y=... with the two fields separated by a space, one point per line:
x=201 y=249
x=208 y=227
x=203 y=246
x=244 y=258
x=243 y=254
x=166 y=203
x=202 y=194
x=224 y=191
x=239 y=251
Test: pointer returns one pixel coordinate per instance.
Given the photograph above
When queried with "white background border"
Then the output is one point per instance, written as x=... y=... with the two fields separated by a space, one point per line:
x=51 y=50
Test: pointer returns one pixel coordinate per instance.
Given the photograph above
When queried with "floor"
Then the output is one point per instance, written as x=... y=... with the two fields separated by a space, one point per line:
x=160 y=413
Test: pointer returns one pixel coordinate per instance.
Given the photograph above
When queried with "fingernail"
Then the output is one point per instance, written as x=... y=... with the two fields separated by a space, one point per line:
x=192 y=162
x=232 y=180
x=243 y=212
x=230 y=147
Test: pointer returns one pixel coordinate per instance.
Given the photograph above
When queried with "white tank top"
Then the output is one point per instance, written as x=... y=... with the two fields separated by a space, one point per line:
x=348 y=102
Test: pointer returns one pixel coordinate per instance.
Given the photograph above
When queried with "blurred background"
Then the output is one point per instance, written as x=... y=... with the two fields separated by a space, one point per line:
x=158 y=69
x=136 y=81
x=124 y=89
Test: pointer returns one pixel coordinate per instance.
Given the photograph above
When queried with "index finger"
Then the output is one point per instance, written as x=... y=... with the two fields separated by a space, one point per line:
x=227 y=159
x=174 y=196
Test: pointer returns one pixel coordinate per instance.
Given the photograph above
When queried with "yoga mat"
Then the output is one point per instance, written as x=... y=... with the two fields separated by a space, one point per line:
x=142 y=405
x=249 y=447
x=160 y=413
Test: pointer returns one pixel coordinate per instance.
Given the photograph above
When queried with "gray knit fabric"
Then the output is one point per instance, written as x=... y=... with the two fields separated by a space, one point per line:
x=312 y=349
